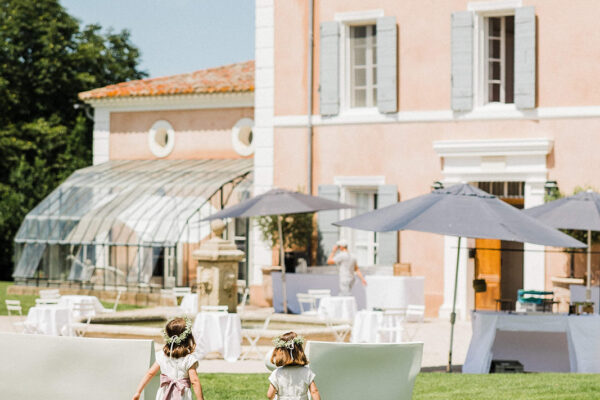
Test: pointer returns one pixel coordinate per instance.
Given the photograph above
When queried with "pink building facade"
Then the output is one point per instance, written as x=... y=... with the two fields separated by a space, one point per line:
x=499 y=94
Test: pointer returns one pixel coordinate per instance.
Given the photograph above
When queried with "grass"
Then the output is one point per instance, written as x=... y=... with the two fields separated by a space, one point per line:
x=28 y=301
x=434 y=386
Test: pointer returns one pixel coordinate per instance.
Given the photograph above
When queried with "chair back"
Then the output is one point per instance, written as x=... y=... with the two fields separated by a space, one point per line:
x=49 y=294
x=320 y=292
x=214 y=308
x=242 y=305
x=13 y=306
x=46 y=302
x=67 y=367
x=415 y=313
x=120 y=291
x=182 y=291
x=305 y=298
x=353 y=371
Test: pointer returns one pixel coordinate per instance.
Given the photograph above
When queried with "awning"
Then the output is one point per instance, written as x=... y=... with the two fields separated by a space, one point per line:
x=133 y=203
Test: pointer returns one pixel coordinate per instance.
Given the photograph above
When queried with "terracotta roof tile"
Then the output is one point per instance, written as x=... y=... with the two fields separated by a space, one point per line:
x=237 y=77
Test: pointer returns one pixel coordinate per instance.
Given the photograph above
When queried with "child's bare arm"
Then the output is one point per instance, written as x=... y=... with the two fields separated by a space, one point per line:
x=271 y=392
x=196 y=383
x=149 y=375
x=314 y=392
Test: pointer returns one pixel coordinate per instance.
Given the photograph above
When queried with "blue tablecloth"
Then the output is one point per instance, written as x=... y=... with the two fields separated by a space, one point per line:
x=300 y=283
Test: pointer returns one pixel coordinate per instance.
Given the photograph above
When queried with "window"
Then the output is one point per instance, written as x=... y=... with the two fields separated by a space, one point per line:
x=499 y=59
x=363 y=66
x=362 y=244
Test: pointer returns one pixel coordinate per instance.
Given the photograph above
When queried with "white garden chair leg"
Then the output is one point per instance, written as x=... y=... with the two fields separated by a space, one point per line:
x=253 y=342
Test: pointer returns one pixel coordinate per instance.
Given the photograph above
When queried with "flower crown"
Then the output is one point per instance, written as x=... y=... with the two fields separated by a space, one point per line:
x=282 y=344
x=182 y=336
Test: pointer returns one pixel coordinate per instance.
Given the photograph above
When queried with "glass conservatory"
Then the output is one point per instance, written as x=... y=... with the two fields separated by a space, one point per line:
x=131 y=223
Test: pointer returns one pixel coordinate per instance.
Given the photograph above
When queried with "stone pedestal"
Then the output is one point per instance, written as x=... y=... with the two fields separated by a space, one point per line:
x=217 y=270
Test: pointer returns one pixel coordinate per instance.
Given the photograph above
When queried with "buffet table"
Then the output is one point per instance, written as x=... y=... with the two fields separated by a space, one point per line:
x=541 y=342
x=395 y=291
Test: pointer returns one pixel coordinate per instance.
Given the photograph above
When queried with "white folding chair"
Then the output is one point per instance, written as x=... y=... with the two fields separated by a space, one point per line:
x=309 y=299
x=46 y=302
x=179 y=292
x=49 y=294
x=253 y=336
x=15 y=312
x=214 y=308
x=415 y=315
x=242 y=305
x=120 y=291
x=391 y=329
x=318 y=294
x=84 y=312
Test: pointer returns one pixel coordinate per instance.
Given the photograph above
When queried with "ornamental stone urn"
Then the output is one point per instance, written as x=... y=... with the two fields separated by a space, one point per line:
x=217 y=270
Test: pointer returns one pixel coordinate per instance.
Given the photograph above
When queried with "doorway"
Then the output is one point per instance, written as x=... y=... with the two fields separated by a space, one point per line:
x=499 y=262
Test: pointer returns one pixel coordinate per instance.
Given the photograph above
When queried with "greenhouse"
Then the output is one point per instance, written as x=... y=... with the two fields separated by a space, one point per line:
x=128 y=223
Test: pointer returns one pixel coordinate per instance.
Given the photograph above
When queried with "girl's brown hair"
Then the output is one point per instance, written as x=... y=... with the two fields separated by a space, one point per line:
x=176 y=327
x=281 y=355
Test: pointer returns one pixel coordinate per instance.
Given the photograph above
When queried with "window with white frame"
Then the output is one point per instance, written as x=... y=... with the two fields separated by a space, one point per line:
x=498 y=62
x=362 y=244
x=362 y=46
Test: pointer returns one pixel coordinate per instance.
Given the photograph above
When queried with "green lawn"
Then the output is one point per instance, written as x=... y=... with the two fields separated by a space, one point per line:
x=434 y=386
x=28 y=301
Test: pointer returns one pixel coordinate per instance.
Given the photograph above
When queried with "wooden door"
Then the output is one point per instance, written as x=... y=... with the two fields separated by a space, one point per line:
x=488 y=267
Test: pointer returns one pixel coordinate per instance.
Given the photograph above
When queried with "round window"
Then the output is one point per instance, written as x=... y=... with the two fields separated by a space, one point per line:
x=242 y=137
x=161 y=138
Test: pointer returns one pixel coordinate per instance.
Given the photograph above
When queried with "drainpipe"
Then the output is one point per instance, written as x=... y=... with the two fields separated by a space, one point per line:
x=309 y=126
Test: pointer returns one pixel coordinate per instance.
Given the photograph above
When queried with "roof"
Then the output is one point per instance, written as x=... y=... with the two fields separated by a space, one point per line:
x=231 y=78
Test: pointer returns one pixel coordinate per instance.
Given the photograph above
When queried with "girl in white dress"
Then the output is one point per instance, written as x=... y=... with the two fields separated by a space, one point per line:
x=293 y=378
x=177 y=364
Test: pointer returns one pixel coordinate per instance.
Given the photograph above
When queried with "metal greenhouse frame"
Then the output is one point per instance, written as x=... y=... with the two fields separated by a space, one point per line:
x=130 y=223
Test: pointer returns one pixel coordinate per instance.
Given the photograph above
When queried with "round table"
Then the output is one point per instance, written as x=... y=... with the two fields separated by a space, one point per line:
x=366 y=324
x=189 y=303
x=49 y=320
x=337 y=307
x=220 y=332
x=70 y=300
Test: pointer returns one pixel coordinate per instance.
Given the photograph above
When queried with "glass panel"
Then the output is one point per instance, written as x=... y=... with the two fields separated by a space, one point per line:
x=495 y=45
x=494 y=89
x=360 y=56
x=494 y=70
x=495 y=26
x=374 y=76
x=358 y=32
x=360 y=98
x=30 y=260
x=360 y=77
x=509 y=57
x=374 y=97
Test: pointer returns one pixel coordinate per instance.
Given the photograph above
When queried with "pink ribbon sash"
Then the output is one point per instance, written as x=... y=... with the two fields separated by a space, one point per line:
x=175 y=388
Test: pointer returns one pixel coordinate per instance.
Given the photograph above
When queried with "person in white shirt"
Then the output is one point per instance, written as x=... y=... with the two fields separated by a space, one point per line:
x=347 y=267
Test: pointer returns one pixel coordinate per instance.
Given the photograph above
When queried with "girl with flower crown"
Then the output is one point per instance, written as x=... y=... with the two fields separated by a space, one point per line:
x=177 y=364
x=293 y=378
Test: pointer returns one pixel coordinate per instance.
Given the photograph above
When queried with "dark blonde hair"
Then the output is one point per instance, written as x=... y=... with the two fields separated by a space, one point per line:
x=175 y=327
x=281 y=355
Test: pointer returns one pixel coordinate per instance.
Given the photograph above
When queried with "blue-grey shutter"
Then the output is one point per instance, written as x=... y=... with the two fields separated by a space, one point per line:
x=525 y=57
x=387 y=242
x=387 y=69
x=329 y=234
x=462 y=61
x=329 y=70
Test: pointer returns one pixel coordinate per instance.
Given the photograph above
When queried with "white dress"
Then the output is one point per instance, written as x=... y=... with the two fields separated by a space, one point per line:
x=175 y=368
x=292 y=382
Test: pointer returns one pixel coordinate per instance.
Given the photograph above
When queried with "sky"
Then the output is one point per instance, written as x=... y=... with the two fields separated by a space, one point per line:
x=176 y=36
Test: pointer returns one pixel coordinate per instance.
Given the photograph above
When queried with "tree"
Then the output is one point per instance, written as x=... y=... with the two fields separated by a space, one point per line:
x=46 y=59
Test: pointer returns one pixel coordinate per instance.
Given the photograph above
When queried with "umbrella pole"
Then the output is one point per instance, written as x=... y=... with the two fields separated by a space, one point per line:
x=282 y=263
x=453 y=313
x=588 y=281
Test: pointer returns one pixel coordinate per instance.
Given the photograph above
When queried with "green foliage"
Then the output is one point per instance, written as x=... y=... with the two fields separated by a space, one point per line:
x=296 y=228
x=577 y=234
x=46 y=59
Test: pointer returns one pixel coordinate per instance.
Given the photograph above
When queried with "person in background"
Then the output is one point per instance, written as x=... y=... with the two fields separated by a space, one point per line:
x=347 y=267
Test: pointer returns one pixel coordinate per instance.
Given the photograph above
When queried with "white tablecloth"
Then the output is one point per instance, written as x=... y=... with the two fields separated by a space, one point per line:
x=220 y=332
x=366 y=323
x=70 y=300
x=582 y=332
x=394 y=291
x=337 y=307
x=189 y=303
x=49 y=320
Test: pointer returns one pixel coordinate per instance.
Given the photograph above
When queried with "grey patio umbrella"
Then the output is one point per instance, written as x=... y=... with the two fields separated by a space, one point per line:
x=580 y=212
x=464 y=211
x=278 y=202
